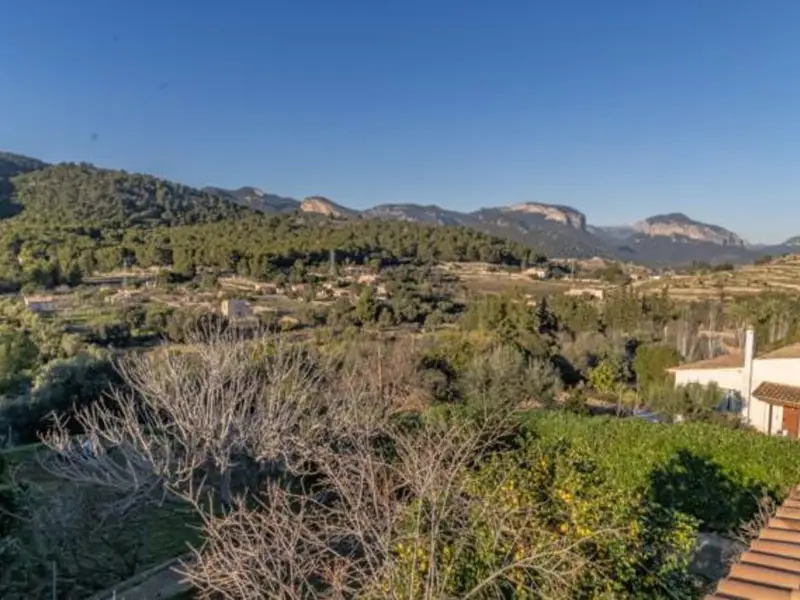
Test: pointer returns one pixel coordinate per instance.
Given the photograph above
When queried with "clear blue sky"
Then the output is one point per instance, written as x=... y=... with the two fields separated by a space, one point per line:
x=622 y=109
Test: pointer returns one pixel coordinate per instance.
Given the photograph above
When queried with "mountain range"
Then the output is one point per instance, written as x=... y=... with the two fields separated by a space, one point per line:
x=557 y=231
x=669 y=239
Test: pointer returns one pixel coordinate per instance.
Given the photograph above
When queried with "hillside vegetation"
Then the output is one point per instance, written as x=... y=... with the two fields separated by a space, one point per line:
x=779 y=275
x=14 y=164
x=71 y=195
x=68 y=221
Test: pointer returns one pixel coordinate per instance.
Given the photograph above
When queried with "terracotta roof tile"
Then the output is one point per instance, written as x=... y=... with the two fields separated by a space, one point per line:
x=780 y=395
x=770 y=568
x=724 y=361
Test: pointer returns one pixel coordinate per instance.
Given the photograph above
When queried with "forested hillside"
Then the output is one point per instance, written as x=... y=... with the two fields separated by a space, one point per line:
x=14 y=164
x=67 y=221
x=85 y=196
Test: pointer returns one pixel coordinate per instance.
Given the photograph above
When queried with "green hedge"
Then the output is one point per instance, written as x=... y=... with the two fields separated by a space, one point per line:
x=713 y=473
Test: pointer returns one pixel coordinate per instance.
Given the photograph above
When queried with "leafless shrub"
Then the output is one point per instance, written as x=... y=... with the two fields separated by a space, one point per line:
x=687 y=341
x=331 y=486
x=376 y=525
x=747 y=532
x=189 y=412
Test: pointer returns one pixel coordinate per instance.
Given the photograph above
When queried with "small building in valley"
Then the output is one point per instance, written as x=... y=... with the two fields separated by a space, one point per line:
x=42 y=304
x=235 y=308
x=595 y=292
x=537 y=272
x=767 y=385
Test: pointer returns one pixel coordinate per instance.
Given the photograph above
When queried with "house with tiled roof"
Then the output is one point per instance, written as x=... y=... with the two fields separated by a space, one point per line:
x=766 y=386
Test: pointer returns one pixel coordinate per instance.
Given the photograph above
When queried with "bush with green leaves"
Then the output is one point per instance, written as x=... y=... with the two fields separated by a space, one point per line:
x=547 y=506
x=651 y=363
x=19 y=354
x=61 y=387
x=607 y=375
x=712 y=473
x=510 y=320
x=691 y=402
x=505 y=375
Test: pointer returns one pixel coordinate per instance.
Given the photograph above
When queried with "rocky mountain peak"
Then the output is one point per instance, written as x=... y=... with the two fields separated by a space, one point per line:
x=324 y=206
x=415 y=213
x=250 y=193
x=678 y=225
x=552 y=212
x=254 y=191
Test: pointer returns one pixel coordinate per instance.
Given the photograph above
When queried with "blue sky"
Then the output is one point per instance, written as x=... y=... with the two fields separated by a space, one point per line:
x=621 y=108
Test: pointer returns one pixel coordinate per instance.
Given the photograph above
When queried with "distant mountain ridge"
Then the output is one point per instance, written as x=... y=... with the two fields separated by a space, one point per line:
x=793 y=242
x=563 y=232
x=557 y=231
x=255 y=198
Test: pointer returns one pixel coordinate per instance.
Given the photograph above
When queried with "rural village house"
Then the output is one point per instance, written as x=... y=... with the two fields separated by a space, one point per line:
x=766 y=387
x=42 y=304
x=236 y=309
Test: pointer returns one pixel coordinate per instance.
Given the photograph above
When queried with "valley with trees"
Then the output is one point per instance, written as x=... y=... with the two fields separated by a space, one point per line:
x=411 y=409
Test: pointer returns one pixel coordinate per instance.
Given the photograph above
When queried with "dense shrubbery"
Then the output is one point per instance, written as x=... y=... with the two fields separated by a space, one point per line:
x=631 y=548
x=18 y=356
x=546 y=503
x=455 y=502
x=61 y=387
x=712 y=473
x=610 y=505
x=651 y=363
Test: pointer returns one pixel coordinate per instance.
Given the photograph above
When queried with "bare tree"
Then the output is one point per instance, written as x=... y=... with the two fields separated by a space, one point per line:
x=748 y=531
x=385 y=527
x=323 y=492
x=183 y=418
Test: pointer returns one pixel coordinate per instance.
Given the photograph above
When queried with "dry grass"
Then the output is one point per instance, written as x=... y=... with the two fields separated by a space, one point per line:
x=781 y=275
x=489 y=279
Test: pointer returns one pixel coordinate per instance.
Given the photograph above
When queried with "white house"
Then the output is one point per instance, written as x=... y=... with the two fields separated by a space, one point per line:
x=768 y=384
x=596 y=292
x=42 y=304
x=537 y=273
x=236 y=309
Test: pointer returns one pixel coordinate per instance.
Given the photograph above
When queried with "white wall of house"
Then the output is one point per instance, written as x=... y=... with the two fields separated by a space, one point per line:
x=755 y=371
x=728 y=379
x=762 y=416
x=778 y=370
